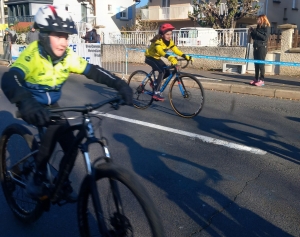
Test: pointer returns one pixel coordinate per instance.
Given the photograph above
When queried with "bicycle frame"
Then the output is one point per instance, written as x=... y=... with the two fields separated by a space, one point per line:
x=86 y=131
x=175 y=73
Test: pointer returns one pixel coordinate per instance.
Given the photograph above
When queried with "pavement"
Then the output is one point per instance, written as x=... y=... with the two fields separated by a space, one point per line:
x=276 y=86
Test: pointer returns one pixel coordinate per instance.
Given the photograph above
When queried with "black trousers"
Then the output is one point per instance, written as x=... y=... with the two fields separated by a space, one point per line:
x=160 y=66
x=260 y=53
x=56 y=132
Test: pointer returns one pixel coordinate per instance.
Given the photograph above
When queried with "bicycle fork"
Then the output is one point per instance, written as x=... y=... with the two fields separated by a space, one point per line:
x=91 y=177
x=182 y=88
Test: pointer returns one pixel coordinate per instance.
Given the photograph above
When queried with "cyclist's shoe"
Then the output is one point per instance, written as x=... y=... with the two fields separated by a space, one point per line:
x=35 y=185
x=158 y=96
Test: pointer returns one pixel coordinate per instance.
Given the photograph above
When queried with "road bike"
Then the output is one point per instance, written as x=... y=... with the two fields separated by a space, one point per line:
x=111 y=201
x=186 y=99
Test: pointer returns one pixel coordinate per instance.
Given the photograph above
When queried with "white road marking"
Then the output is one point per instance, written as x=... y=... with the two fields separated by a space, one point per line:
x=188 y=134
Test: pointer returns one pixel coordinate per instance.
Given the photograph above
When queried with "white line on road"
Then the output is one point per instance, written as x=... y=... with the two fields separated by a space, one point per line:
x=188 y=134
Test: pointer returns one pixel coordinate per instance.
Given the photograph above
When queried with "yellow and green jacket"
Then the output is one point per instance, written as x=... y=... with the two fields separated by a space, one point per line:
x=159 y=48
x=43 y=78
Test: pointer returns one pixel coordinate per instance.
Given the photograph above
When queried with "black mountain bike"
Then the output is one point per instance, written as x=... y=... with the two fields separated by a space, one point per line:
x=186 y=99
x=111 y=202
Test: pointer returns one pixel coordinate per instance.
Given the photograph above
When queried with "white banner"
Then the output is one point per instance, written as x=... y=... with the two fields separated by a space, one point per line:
x=90 y=52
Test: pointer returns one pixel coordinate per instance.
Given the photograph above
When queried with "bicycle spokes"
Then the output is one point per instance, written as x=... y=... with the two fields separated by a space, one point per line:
x=141 y=84
x=187 y=97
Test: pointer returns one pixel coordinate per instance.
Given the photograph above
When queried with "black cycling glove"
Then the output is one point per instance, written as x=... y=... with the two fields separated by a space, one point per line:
x=33 y=112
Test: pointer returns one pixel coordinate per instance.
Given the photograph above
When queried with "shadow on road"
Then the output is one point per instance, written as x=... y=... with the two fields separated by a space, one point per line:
x=269 y=142
x=186 y=193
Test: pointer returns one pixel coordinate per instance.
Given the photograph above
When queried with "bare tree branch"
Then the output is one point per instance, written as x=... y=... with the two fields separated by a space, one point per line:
x=219 y=15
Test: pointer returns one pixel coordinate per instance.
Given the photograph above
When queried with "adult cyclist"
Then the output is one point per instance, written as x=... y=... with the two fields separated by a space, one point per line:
x=34 y=84
x=160 y=44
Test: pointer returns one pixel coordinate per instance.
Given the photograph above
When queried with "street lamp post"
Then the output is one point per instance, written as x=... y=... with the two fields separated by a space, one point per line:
x=2 y=12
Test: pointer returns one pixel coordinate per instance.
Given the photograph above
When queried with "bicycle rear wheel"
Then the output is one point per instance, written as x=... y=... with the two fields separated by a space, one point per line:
x=142 y=87
x=187 y=99
x=17 y=142
x=126 y=209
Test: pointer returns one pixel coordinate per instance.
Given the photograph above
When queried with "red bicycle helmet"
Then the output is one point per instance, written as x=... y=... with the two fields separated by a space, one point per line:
x=164 y=28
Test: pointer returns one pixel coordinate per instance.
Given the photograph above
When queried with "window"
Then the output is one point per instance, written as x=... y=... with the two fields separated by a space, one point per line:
x=273 y=28
x=284 y=14
x=123 y=13
x=295 y=4
x=109 y=8
x=26 y=9
x=165 y=3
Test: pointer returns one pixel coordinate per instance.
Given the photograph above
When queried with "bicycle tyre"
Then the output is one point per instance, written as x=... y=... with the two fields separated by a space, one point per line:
x=190 y=84
x=142 y=94
x=8 y=185
x=124 y=177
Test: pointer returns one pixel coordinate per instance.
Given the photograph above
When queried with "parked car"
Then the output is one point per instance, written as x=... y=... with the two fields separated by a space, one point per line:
x=197 y=36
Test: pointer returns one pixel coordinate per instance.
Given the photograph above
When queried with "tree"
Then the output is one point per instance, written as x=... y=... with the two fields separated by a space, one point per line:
x=223 y=15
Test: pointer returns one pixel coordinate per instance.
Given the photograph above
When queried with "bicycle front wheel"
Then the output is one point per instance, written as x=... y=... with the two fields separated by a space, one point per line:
x=187 y=97
x=142 y=87
x=125 y=208
x=17 y=148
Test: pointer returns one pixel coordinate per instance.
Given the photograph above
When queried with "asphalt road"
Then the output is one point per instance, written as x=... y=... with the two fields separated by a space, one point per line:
x=199 y=188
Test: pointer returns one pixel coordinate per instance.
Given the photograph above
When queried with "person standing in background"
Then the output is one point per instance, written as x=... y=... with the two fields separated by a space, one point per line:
x=98 y=38
x=90 y=36
x=7 y=41
x=13 y=33
x=260 y=36
x=32 y=35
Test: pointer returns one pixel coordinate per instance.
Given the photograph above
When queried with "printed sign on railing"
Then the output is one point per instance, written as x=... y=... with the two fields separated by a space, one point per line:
x=90 y=52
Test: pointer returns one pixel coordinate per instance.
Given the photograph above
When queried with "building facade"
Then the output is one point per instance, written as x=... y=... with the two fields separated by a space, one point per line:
x=23 y=10
x=172 y=11
x=283 y=12
x=176 y=12
x=112 y=15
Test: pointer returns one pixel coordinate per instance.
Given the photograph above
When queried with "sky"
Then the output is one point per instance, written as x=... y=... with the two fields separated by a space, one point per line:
x=142 y=3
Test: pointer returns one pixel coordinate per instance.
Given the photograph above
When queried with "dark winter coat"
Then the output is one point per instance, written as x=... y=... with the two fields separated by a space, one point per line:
x=260 y=36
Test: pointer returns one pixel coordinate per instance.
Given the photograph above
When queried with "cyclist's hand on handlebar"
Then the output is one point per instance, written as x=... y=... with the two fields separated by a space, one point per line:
x=173 y=60
x=187 y=57
x=126 y=94
x=33 y=112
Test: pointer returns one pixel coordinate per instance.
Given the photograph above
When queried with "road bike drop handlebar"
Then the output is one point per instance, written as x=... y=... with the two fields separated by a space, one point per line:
x=180 y=60
x=115 y=102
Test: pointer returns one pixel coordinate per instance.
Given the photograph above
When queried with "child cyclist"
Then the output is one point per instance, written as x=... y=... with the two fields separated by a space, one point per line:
x=34 y=84
x=160 y=44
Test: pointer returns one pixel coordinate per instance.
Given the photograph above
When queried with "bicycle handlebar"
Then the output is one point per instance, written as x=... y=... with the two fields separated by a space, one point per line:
x=179 y=60
x=115 y=101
